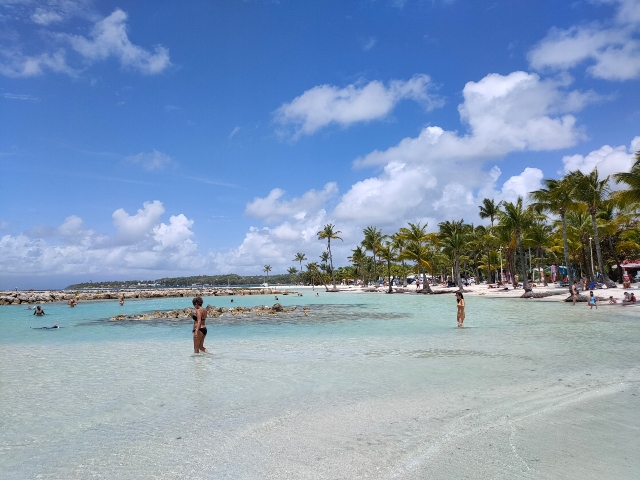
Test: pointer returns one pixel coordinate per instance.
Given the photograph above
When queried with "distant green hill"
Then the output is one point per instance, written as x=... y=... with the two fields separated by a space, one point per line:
x=211 y=280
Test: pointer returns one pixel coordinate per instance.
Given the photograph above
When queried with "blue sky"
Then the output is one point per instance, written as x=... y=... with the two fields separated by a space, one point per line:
x=208 y=137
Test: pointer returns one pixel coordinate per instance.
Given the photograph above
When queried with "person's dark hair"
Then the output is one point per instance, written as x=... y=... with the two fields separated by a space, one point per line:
x=197 y=301
x=460 y=293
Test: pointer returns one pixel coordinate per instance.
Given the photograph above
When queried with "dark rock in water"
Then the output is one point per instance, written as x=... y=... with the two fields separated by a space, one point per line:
x=541 y=294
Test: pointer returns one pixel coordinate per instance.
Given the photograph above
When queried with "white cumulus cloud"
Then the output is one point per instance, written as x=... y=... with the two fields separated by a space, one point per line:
x=327 y=104
x=274 y=207
x=504 y=114
x=607 y=159
x=612 y=49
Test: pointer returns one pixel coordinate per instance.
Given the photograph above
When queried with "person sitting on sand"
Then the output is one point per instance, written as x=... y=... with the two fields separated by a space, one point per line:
x=38 y=311
x=593 y=300
x=629 y=298
x=612 y=301
x=460 y=301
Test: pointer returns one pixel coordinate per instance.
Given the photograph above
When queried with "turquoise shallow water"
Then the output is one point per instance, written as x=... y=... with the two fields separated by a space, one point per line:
x=365 y=386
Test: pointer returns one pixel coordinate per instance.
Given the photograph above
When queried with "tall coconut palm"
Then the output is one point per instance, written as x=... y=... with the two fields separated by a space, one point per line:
x=489 y=209
x=359 y=258
x=329 y=233
x=267 y=269
x=593 y=193
x=557 y=198
x=300 y=257
x=372 y=241
x=416 y=236
x=292 y=273
x=312 y=272
x=399 y=244
x=388 y=253
x=517 y=218
x=454 y=236
x=540 y=238
x=632 y=181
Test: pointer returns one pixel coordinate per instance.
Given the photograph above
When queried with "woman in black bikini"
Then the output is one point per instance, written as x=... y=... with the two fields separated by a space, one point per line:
x=199 y=328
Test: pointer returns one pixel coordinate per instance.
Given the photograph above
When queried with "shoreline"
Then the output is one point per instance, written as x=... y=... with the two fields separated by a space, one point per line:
x=553 y=293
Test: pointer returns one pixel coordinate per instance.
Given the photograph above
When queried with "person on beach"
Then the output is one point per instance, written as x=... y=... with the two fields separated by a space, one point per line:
x=38 y=311
x=199 y=327
x=612 y=301
x=574 y=291
x=593 y=301
x=629 y=298
x=460 y=301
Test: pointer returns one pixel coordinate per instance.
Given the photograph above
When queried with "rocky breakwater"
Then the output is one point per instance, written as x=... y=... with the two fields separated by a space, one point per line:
x=212 y=312
x=32 y=297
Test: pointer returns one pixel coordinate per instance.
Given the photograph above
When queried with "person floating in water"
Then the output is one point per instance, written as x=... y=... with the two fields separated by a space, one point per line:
x=55 y=325
x=460 y=301
x=38 y=311
x=593 y=301
x=199 y=327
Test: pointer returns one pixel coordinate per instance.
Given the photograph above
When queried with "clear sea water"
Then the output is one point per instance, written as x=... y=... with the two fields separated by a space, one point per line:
x=365 y=386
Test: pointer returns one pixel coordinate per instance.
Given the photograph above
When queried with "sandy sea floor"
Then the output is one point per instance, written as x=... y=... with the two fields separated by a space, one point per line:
x=365 y=386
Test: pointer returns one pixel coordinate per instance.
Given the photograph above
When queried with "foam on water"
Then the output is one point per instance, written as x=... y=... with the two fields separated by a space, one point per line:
x=377 y=386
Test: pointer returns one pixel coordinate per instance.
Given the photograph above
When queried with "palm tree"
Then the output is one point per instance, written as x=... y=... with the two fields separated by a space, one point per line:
x=515 y=217
x=632 y=179
x=399 y=244
x=387 y=253
x=416 y=236
x=329 y=233
x=267 y=269
x=372 y=241
x=539 y=238
x=292 y=272
x=454 y=236
x=557 y=198
x=312 y=271
x=489 y=209
x=358 y=258
x=593 y=193
x=300 y=257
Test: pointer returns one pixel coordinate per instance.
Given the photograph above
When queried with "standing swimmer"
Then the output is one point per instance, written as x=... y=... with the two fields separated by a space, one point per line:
x=460 y=300
x=38 y=311
x=593 y=301
x=199 y=327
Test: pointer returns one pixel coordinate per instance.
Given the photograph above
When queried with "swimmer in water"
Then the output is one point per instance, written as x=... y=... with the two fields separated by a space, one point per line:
x=38 y=311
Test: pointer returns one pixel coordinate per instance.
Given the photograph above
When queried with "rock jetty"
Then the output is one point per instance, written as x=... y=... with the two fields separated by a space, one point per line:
x=212 y=311
x=48 y=296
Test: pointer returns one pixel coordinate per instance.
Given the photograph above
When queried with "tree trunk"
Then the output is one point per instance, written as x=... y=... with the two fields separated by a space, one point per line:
x=489 y=265
x=617 y=259
x=456 y=270
x=333 y=276
x=425 y=282
x=404 y=274
x=389 y=275
x=606 y=280
x=566 y=248
x=523 y=265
